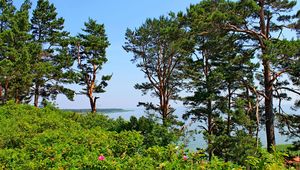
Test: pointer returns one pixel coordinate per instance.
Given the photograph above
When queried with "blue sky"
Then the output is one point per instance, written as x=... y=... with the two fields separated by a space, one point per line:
x=117 y=16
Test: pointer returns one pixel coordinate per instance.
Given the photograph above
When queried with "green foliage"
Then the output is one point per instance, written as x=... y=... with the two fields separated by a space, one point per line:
x=290 y=125
x=226 y=37
x=292 y=150
x=230 y=36
x=16 y=51
x=33 y=55
x=267 y=160
x=235 y=148
x=159 y=48
x=48 y=138
x=89 y=49
x=51 y=65
x=154 y=133
x=33 y=138
x=221 y=81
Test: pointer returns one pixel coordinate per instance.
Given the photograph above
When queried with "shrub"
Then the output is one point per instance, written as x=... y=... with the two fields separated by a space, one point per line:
x=153 y=132
x=33 y=138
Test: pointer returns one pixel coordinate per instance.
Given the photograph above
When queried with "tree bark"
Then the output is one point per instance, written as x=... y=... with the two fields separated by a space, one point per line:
x=36 y=95
x=1 y=93
x=268 y=83
x=165 y=109
x=210 y=127
x=93 y=104
x=229 y=108
x=17 y=97
x=91 y=87
x=6 y=90
x=206 y=70
x=269 y=114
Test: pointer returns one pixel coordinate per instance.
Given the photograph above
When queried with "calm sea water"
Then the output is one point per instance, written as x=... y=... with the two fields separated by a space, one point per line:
x=195 y=141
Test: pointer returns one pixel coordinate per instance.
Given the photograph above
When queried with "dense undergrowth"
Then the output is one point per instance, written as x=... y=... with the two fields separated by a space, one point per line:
x=48 y=138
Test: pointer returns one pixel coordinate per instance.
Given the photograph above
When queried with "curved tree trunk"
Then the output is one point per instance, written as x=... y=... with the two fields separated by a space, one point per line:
x=91 y=87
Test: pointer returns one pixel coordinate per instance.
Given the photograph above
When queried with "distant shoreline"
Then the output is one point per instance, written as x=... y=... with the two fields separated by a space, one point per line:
x=104 y=110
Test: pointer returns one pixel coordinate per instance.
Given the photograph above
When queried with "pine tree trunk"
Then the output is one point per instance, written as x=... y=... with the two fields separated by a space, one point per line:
x=17 y=97
x=210 y=132
x=1 y=93
x=229 y=108
x=164 y=105
x=5 y=91
x=165 y=112
x=93 y=104
x=269 y=114
x=206 y=70
x=91 y=88
x=265 y=21
x=36 y=95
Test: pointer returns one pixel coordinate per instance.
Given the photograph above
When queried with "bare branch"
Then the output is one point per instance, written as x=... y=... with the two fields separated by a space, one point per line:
x=289 y=89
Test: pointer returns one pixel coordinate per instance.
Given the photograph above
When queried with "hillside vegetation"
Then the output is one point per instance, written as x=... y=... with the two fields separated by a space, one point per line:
x=48 y=138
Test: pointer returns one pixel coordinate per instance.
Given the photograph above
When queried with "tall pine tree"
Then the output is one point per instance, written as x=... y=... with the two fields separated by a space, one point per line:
x=52 y=66
x=89 y=48
x=159 y=48
x=262 y=22
x=16 y=52
x=7 y=11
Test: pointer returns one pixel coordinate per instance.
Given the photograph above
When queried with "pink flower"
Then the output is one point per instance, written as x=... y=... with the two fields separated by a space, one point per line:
x=185 y=157
x=101 y=158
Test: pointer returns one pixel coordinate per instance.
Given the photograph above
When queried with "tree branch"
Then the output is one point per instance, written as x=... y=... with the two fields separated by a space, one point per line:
x=289 y=89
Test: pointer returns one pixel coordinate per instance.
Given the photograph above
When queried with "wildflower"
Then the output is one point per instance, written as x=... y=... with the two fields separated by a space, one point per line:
x=185 y=157
x=101 y=158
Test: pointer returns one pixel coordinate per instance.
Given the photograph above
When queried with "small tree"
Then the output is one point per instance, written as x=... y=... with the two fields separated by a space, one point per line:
x=159 y=47
x=89 y=49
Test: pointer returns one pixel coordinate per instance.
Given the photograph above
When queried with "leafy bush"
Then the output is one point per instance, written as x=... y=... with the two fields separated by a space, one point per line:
x=153 y=132
x=33 y=138
x=235 y=148
x=266 y=160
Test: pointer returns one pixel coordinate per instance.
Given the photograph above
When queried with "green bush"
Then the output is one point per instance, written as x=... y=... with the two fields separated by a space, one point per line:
x=153 y=132
x=33 y=138
x=266 y=160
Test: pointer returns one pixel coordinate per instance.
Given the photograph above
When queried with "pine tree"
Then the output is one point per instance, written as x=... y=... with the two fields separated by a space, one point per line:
x=262 y=22
x=222 y=82
x=16 y=53
x=159 y=48
x=7 y=11
x=52 y=66
x=90 y=51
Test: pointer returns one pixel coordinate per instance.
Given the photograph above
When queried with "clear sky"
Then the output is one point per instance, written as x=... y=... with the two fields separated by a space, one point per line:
x=117 y=16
